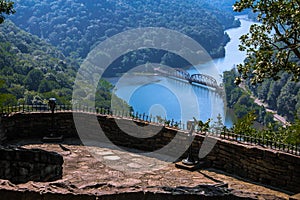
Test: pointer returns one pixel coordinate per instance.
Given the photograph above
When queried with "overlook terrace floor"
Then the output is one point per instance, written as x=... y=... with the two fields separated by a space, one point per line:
x=83 y=174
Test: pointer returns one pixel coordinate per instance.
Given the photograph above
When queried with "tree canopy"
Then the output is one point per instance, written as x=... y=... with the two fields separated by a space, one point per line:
x=76 y=27
x=32 y=71
x=273 y=46
x=6 y=7
x=27 y=62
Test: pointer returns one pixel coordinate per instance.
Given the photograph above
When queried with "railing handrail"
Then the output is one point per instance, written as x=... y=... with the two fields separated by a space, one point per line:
x=224 y=134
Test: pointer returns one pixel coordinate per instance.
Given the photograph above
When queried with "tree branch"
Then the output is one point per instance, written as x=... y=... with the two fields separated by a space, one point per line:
x=293 y=47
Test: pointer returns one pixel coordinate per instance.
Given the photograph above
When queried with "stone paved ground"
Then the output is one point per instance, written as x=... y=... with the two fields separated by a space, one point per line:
x=117 y=171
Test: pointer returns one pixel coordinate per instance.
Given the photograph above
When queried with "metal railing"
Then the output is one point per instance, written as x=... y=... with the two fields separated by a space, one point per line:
x=9 y=110
x=260 y=141
x=224 y=134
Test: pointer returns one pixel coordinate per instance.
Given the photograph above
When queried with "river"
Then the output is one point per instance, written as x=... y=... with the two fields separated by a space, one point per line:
x=173 y=99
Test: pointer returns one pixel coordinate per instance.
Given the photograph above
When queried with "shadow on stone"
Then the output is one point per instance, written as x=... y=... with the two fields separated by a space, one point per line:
x=20 y=165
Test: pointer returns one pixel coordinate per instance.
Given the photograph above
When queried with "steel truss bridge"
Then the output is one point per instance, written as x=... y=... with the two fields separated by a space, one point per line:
x=201 y=79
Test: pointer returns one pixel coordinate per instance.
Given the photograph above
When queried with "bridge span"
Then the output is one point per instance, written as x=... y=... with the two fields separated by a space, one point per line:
x=201 y=79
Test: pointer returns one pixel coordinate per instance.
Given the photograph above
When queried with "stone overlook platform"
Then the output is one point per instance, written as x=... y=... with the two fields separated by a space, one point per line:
x=238 y=170
x=85 y=177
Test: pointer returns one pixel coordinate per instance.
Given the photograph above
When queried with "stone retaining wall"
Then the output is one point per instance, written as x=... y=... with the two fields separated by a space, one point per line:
x=21 y=165
x=2 y=132
x=273 y=168
x=265 y=166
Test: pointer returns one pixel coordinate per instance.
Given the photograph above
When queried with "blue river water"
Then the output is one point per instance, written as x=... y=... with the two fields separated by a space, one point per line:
x=179 y=100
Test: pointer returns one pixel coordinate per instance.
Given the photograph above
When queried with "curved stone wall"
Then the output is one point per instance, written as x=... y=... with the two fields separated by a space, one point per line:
x=21 y=165
x=255 y=163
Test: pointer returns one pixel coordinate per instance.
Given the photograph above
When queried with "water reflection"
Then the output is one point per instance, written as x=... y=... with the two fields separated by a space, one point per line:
x=146 y=94
x=173 y=99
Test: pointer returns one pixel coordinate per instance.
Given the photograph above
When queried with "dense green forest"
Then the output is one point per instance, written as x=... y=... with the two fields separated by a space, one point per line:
x=282 y=95
x=254 y=120
x=32 y=71
x=30 y=66
x=225 y=5
x=75 y=27
x=240 y=101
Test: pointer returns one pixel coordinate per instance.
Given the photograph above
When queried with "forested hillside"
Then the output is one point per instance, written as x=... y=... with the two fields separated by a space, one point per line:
x=240 y=101
x=76 y=26
x=282 y=95
x=32 y=71
x=253 y=120
x=225 y=5
x=29 y=66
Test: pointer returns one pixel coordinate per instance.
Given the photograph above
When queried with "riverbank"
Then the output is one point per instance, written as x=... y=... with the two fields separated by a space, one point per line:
x=172 y=99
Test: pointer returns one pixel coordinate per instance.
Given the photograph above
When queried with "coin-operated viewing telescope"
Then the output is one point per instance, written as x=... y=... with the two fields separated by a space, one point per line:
x=52 y=104
x=52 y=137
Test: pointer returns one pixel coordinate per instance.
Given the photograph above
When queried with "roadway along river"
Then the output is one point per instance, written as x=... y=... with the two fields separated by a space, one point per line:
x=173 y=99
